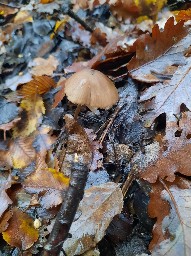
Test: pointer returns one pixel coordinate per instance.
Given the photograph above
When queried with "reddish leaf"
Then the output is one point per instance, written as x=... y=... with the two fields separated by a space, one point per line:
x=150 y=48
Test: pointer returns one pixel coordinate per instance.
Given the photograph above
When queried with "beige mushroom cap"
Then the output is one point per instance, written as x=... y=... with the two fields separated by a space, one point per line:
x=91 y=88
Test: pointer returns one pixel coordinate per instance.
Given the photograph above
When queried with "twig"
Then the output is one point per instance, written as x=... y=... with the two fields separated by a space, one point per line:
x=102 y=137
x=130 y=178
x=79 y=20
x=68 y=210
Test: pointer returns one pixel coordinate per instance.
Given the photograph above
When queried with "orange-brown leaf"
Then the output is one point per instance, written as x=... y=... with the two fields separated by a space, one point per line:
x=20 y=232
x=149 y=48
x=46 y=1
x=169 y=164
x=183 y=15
x=39 y=85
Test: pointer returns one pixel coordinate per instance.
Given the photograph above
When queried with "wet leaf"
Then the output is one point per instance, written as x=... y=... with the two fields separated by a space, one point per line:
x=20 y=232
x=94 y=214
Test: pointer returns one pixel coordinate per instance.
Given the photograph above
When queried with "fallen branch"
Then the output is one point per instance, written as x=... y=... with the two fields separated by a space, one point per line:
x=68 y=210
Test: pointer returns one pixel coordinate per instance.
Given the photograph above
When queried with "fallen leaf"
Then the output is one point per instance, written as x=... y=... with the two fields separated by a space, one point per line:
x=22 y=152
x=5 y=201
x=4 y=220
x=183 y=15
x=20 y=232
x=167 y=97
x=33 y=108
x=22 y=17
x=8 y=126
x=42 y=66
x=154 y=53
x=39 y=85
x=43 y=140
x=176 y=225
x=94 y=214
x=50 y=181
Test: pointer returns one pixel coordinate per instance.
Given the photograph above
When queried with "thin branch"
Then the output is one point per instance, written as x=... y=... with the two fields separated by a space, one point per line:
x=68 y=210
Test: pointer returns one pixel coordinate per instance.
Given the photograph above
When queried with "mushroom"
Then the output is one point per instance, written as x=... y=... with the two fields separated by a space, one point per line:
x=91 y=88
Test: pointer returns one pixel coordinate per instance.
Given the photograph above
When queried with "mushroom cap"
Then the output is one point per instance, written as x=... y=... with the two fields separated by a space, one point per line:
x=91 y=88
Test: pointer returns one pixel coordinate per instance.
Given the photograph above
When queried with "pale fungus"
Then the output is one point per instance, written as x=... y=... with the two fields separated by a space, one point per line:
x=91 y=88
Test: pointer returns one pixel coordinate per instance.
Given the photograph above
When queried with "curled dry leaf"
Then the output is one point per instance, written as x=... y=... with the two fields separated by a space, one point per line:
x=96 y=211
x=42 y=66
x=20 y=232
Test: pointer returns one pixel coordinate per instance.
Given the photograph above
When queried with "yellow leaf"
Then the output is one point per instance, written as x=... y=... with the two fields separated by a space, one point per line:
x=20 y=232
x=59 y=24
x=33 y=109
x=22 y=152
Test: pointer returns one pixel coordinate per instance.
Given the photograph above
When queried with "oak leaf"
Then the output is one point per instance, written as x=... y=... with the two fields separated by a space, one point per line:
x=157 y=52
x=167 y=97
x=20 y=232
x=175 y=227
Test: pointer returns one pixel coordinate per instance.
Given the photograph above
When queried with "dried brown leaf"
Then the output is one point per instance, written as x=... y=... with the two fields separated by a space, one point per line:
x=5 y=201
x=22 y=152
x=96 y=212
x=39 y=85
x=20 y=232
x=155 y=53
x=42 y=66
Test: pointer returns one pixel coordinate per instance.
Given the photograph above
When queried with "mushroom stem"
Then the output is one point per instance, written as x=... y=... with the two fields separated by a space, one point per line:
x=77 y=111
